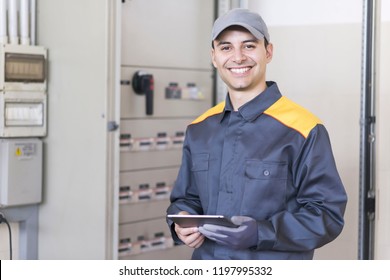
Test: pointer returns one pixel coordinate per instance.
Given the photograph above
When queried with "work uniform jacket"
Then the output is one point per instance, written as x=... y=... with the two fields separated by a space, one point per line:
x=270 y=160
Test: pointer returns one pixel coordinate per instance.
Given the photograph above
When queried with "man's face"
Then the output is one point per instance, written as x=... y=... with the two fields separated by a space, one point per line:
x=241 y=60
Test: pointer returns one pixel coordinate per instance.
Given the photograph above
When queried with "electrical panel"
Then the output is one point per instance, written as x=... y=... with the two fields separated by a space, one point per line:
x=20 y=172
x=166 y=82
x=23 y=100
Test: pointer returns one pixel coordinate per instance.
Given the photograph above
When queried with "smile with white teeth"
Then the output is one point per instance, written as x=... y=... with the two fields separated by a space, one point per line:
x=240 y=70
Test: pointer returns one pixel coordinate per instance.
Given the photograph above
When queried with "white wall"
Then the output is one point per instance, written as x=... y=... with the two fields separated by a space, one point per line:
x=317 y=58
x=306 y=12
x=382 y=248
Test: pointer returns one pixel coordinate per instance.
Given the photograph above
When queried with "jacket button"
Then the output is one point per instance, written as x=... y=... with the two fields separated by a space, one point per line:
x=266 y=173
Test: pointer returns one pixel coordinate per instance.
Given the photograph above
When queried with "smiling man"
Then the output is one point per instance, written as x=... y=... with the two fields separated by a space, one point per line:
x=258 y=158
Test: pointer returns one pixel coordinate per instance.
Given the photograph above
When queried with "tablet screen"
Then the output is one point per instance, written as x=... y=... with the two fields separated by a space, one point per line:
x=199 y=220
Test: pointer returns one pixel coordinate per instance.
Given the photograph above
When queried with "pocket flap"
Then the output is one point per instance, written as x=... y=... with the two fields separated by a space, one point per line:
x=263 y=170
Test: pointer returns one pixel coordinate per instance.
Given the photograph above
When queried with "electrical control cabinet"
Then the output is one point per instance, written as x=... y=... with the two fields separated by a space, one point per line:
x=166 y=82
x=20 y=172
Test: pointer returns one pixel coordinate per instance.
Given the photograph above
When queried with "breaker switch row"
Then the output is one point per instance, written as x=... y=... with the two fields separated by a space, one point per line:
x=161 y=142
x=144 y=193
x=142 y=245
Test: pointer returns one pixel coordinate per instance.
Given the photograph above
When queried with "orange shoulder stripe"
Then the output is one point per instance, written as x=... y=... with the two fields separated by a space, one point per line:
x=217 y=109
x=293 y=115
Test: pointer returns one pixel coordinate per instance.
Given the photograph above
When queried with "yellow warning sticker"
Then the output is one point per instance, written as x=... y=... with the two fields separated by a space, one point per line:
x=25 y=150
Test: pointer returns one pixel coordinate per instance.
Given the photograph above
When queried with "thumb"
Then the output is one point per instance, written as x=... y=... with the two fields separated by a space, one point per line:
x=239 y=220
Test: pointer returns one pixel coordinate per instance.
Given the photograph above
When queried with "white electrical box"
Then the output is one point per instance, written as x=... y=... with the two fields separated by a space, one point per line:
x=20 y=171
x=23 y=97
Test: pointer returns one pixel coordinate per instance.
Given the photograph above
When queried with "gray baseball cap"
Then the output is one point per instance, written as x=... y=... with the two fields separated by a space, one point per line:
x=251 y=21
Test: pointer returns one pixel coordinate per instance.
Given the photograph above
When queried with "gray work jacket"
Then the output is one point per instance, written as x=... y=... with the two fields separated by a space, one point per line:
x=270 y=160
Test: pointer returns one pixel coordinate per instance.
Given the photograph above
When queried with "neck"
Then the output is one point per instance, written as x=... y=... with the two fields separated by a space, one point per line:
x=239 y=98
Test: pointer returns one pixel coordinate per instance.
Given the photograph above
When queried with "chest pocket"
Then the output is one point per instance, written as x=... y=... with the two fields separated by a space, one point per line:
x=199 y=170
x=200 y=162
x=264 y=192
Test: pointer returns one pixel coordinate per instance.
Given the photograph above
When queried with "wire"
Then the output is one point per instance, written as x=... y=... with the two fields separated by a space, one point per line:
x=4 y=220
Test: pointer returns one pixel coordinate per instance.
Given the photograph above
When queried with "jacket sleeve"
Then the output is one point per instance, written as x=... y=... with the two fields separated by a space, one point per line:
x=317 y=217
x=184 y=196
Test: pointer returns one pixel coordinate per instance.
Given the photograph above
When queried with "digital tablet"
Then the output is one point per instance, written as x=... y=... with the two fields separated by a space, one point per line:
x=199 y=220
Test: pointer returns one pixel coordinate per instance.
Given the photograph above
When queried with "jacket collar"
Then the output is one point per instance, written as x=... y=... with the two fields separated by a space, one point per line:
x=255 y=107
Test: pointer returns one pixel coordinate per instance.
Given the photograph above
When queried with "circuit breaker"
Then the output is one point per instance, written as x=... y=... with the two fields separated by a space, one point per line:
x=23 y=79
x=20 y=172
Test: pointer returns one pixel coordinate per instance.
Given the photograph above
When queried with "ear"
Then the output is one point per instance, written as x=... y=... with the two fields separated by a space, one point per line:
x=213 y=58
x=269 y=52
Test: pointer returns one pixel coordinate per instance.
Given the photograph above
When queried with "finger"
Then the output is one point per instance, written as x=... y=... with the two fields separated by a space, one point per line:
x=197 y=242
x=215 y=228
x=211 y=234
x=239 y=220
x=192 y=240
x=221 y=229
x=185 y=231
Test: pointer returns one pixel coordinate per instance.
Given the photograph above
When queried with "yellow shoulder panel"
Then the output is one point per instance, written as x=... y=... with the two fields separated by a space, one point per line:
x=293 y=115
x=217 y=109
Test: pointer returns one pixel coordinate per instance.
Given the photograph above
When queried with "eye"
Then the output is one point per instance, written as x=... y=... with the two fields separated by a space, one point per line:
x=225 y=48
x=249 y=46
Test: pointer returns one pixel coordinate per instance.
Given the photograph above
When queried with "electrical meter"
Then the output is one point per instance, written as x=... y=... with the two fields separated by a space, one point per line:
x=23 y=98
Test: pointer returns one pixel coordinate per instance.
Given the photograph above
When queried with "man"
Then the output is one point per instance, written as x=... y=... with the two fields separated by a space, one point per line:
x=258 y=158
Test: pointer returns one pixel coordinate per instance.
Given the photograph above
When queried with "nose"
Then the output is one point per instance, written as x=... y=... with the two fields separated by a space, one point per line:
x=239 y=56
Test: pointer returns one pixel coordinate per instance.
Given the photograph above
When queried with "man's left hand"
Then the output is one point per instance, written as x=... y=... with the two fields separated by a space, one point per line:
x=242 y=237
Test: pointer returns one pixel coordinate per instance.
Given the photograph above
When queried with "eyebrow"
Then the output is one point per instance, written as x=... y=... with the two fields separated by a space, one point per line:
x=243 y=42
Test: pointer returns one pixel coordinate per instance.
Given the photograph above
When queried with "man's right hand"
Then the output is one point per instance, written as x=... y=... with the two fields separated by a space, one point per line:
x=190 y=236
